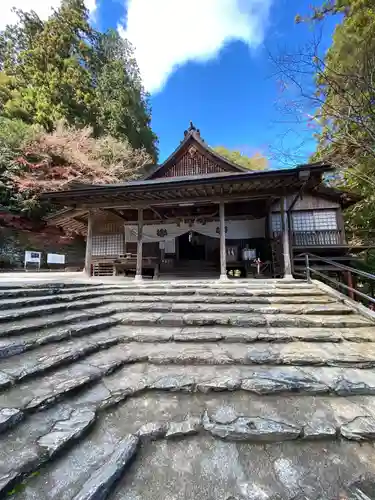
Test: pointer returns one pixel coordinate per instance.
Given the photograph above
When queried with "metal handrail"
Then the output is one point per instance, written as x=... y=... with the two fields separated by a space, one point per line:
x=310 y=270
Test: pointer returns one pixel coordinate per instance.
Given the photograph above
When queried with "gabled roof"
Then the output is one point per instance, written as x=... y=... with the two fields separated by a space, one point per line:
x=173 y=189
x=192 y=138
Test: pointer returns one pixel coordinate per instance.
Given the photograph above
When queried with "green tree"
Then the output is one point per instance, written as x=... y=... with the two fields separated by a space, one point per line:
x=345 y=86
x=51 y=68
x=255 y=162
x=64 y=69
x=123 y=105
x=333 y=93
x=15 y=135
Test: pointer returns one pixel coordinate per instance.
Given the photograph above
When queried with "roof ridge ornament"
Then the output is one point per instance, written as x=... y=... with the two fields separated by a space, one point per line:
x=192 y=130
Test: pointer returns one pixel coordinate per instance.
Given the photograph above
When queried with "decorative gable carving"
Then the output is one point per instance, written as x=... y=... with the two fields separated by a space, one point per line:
x=192 y=163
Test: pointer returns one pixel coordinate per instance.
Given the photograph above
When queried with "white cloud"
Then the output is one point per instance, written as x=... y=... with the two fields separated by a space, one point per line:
x=168 y=33
x=43 y=8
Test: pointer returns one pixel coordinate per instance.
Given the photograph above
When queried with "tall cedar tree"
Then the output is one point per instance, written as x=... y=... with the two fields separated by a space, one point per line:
x=64 y=69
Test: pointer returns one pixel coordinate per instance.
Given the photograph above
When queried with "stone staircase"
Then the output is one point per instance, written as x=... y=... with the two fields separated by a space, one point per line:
x=197 y=390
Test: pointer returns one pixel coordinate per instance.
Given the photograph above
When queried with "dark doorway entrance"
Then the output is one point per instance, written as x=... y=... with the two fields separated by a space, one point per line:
x=192 y=246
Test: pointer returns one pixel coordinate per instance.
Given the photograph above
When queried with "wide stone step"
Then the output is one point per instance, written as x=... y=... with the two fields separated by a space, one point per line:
x=48 y=388
x=43 y=358
x=238 y=291
x=153 y=290
x=233 y=334
x=15 y=345
x=24 y=342
x=190 y=298
x=41 y=391
x=214 y=287
x=165 y=307
x=32 y=291
x=44 y=300
x=261 y=380
x=47 y=354
x=23 y=312
x=243 y=320
x=30 y=312
x=194 y=298
x=35 y=284
x=53 y=320
x=36 y=394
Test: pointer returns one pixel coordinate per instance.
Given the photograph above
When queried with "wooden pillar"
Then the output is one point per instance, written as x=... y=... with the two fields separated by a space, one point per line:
x=88 y=256
x=349 y=279
x=138 y=274
x=223 y=256
x=286 y=239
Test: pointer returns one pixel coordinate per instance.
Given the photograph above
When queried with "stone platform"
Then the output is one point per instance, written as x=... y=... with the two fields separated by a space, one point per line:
x=251 y=390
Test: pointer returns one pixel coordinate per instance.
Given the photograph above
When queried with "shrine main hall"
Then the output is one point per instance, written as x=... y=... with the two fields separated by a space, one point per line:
x=199 y=215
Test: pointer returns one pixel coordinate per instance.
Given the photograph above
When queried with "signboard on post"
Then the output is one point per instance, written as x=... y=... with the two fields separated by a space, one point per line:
x=32 y=258
x=55 y=258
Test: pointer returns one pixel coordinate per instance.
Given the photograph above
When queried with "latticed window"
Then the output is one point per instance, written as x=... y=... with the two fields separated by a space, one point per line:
x=108 y=244
x=314 y=220
x=276 y=225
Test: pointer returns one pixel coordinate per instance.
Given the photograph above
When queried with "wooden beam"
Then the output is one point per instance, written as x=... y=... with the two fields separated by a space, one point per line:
x=116 y=212
x=156 y=212
x=245 y=196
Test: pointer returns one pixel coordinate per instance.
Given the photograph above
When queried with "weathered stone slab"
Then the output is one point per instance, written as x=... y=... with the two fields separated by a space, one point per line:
x=189 y=426
x=319 y=429
x=224 y=415
x=34 y=441
x=255 y=429
x=5 y=380
x=359 y=429
x=54 y=389
x=183 y=382
x=192 y=353
x=194 y=335
x=297 y=353
x=190 y=298
x=9 y=417
x=225 y=382
x=132 y=318
x=55 y=320
x=66 y=431
x=278 y=381
x=319 y=309
x=152 y=430
x=307 y=321
x=291 y=334
x=51 y=356
x=30 y=312
x=100 y=484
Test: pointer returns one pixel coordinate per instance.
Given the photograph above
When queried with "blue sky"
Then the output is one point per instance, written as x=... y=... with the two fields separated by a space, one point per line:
x=208 y=61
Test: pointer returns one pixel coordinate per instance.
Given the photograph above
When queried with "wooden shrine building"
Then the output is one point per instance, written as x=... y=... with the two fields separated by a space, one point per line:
x=199 y=215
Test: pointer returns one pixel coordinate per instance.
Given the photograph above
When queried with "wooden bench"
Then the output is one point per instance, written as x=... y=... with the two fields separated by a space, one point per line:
x=116 y=266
